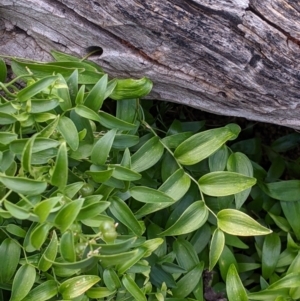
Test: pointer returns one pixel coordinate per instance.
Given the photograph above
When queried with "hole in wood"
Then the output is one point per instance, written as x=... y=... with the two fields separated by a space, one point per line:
x=94 y=50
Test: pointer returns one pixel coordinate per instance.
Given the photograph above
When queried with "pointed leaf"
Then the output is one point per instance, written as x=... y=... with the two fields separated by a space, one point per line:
x=59 y=176
x=26 y=155
x=69 y=131
x=147 y=155
x=190 y=220
x=67 y=247
x=288 y=191
x=288 y=281
x=94 y=99
x=112 y=122
x=76 y=286
x=202 y=145
x=10 y=253
x=16 y=211
x=270 y=254
x=216 y=247
x=234 y=287
x=87 y=113
x=149 y=195
x=236 y=222
x=45 y=291
x=23 y=282
x=217 y=161
x=39 y=235
x=43 y=209
x=3 y=71
x=36 y=88
x=7 y=138
x=23 y=185
x=133 y=288
x=111 y=279
x=124 y=214
x=67 y=215
x=222 y=183
x=186 y=255
x=49 y=253
x=102 y=148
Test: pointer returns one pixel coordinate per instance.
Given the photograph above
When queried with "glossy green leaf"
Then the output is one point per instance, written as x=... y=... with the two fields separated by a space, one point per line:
x=190 y=220
x=204 y=144
x=222 y=183
x=39 y=144
x=45 y=291
x=123 y=173
x=270 y=254
x=100 y=176
x=7 y=118
x=23 y=282
x=236 y=222
x=133 y=288
x=39 y=235
x=101 y=149
x=92 y=210
x=7 y=138
x=41 y=105
x=87 y=113
x=99 y=292
x=36 y=88
x=72 y=83
x=27 y=153
x=149 y=195
x=117 y=247
x=238 y=162
x=3 y=71
x=268 y=294
x=174 y=140
x=23 y=185
x=59 y=175
x=15 y=230
x=49 y=254
x=67 y=215
x=288 y=191
x=175 y=187
x=147 y=155
x=10 y=252
x=124 y=214
x=111 y=279
x=66 y=246
x=16 y=211
x=43 y=209
x=288 y=281
x=216 y=247
x=49 y=129
x=188 y=282
x=186 y=255
x=69 y=131
x=217 y=161
x=234 y=286
x=94 y=99
x=61 y=89
x=81 y=264
x=76 y=286
x=225 y=261
x=131 y=88
x=111 y=122
x=123 y=141
x=291 y=211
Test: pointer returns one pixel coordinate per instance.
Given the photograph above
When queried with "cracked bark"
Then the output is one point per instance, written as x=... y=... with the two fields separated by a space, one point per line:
x=229 y=57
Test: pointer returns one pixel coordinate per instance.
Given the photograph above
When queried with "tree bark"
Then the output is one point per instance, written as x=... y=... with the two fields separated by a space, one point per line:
x=230 y=57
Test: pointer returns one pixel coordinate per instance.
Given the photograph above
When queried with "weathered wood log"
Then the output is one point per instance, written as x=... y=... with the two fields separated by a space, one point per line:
x=230 y=57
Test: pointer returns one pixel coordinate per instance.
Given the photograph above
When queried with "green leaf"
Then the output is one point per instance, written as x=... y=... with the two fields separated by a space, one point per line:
x=123 y=173
x=238 y=162
x=217 y=161
x=288 y=191
x=236 y=222
x=204 y=144
x=117 y=247
x=188 y=282
x=87 y=113
x=39 y=144
x=102 y=148
x=15 y=230
x=234 y=287
x=131 y=88
x=67 y=215
x=23 y=185
x=7 y=138
x=111 y=279
x=7 y=118
x=123 y=141
x=112 y=122
x=225 y=261
x=291 y=211
x=222 y=183
x=124 y=214
x=288 y=281
x=149 y=195
x=270 y=254
x=10 y=252
x=36 y=88
x=216 y=247
x=99 y=292
x=92 y=210
x=59 y=176
x=39 y=235
x=67 y=247
x=16 y=211
x=3 y=71
x=174 y=140
x=23 y=282
x=27 y=153
x=45 y=291
x=49 y=254
x=69 y=131
x=95 y=98
x=42 y=105
x=286 y=142
x=190 y=220
x=61 y=89
x=43 y=209
x=147 y=155
x=186 y=255
x=133 y=288
x=76 y=286
x=86 y=263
